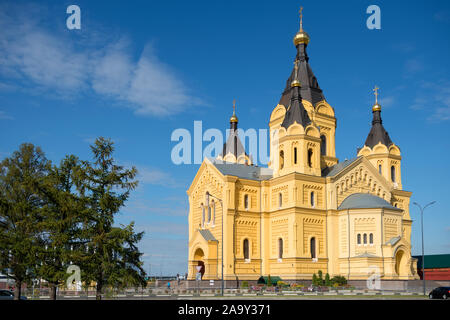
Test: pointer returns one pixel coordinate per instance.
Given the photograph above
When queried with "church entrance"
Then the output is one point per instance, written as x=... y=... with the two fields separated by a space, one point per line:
x=401 y=263
x=202 y=265
x=199 y=257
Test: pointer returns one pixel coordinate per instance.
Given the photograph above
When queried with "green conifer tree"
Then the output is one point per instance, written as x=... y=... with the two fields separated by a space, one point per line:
x=327 y=280
x=114 y=258
x=60 y=229
x=21 y=177
x=315 y=280
x=320 y=278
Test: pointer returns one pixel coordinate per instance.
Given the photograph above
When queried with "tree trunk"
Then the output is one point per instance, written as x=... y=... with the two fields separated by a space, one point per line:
x=53 y=288
x=98 y=294
x=18 y=290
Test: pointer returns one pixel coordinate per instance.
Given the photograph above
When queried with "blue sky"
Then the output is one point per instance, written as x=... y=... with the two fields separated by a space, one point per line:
x=137 y=70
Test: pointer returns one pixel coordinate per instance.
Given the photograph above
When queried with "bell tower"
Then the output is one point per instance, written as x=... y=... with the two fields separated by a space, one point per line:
x=380 y=150
x=303 y=124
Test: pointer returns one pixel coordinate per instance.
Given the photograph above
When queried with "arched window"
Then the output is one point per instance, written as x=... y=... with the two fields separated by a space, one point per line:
x=358 y=238
x=379 y=168
x=365 y=238
x=295 y=155
x=246 y=249
x=280 y=248
x=323 y=145
x=280 y=199
x=371 y=238
x=246 y=201
x=312 y=199
x=209 y=214
x=393 y=173
x=310 y=155
x=313 y=247
x=281 y=159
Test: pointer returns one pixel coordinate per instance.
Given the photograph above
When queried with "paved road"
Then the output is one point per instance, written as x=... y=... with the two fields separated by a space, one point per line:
x=260 y=297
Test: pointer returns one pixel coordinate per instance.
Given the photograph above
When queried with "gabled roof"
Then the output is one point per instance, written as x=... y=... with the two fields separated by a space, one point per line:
x=365 y=201
x=243 y=171
x=366 y=255
x=393 y=240
x=334 y=170
x=207 y=235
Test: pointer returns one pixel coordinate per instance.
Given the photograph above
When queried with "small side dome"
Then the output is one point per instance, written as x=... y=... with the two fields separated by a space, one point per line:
x=365 y=201
x=233 y=118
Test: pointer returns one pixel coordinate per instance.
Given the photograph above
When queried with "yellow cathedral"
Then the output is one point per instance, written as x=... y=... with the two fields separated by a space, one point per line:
x=306 y=211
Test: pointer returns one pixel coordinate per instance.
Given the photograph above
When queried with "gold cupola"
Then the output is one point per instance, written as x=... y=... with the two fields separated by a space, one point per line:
x=301 y=36
x=376 y=106
x=295 y=82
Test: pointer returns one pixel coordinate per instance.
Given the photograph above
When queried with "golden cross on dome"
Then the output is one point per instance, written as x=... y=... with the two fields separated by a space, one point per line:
x=234 y=106
x=375 y=90
x=301 y=18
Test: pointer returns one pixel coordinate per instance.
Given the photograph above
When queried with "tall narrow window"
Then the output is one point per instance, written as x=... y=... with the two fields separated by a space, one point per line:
x=379 y=168
x=280 y=199
x=358 y=238
x=365 y=238
x=313 y=247
x=214 y=212
x=371 y=238
x=295 y=155
x=312 y=199
x=281 y=159
x=323 y=145
x=203 y=214
x=209 y=214
x=280 y=248
x=246 y=252
x=246 y=202
x=310 y=155
x=393 y=173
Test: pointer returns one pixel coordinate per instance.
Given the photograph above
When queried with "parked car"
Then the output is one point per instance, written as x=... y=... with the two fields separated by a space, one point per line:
x=9 y=295
x=440 y=293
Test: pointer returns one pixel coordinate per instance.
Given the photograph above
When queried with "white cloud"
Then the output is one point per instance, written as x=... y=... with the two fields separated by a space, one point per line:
x=5 y=116
x=154 y=176
x=413 y=66
x=112 y=74
x=165 y=228
x=439 y=101
x=435 y=98
x=387 y=101
x=41 y=59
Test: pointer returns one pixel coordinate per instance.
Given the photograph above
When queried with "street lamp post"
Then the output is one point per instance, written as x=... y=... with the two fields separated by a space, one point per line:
x=423 y=255
x=221 y=206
